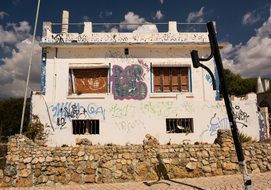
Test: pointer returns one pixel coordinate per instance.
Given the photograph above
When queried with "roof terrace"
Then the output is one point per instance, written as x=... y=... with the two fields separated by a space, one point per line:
x=121 y=33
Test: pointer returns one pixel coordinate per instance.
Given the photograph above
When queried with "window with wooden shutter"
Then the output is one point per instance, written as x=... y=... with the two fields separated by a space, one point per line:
x=89 y=80
x=171 y=79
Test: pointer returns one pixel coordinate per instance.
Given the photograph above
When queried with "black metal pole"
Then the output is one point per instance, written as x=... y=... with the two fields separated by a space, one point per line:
x=228 y=104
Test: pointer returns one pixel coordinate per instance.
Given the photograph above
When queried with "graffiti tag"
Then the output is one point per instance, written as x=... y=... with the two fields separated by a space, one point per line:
x=65 y=112
x=127 y=83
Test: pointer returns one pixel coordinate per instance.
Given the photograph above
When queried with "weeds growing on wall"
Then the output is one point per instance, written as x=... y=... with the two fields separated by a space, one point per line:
x=245 y=138
x=35 y=130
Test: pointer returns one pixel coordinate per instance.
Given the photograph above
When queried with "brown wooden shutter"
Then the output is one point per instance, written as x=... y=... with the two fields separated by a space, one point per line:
x=156 y=73
x=166 y=79
x=175 y=79
x=90 y=80
x=184 y=79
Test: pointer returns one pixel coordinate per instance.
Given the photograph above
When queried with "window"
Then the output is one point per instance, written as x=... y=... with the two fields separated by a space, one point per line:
x=171 y=79
x=86 y=127
x=93 y=80
x=179 y=125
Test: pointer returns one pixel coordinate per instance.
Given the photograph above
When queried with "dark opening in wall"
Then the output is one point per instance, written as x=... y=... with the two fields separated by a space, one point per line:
x=91 y=126
x=126 y=51
x=179 y=125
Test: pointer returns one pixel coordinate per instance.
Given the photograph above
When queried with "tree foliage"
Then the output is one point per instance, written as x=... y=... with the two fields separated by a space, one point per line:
x=237 y=85
x=10 y=116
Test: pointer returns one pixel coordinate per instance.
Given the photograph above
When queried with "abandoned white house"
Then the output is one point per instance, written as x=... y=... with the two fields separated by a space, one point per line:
x=116 y=87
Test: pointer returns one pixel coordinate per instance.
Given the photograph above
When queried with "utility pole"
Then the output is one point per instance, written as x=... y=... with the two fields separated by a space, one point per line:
x=215 y=53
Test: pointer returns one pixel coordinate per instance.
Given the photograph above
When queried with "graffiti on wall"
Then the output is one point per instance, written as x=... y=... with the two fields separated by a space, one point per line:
x=58 y=38
x=128 y=83
x=65 y=112
x=240 y=114
x=128 y=126
x=122 y=110
x=43 y=77
x=159 y=109
x=144 y=65
x=217 y=123
x=163 y=109
x=209 y=79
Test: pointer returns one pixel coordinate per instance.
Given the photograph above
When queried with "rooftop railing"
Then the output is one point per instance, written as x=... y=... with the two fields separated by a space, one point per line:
x=128 y=27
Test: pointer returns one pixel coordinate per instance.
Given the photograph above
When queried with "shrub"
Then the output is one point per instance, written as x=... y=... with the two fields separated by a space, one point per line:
x=35 y=130
x=245 y=138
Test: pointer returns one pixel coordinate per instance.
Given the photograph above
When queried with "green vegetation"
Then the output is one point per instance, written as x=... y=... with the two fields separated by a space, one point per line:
x=10 y=116
x=237 y=85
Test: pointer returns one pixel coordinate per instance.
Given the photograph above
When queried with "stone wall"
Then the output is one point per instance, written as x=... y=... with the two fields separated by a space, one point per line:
x=31 y=164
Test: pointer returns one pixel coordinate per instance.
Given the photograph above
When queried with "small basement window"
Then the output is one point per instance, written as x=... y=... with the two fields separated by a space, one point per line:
x=171 y=79
x=94 y=80
x=80 y=127
x=179 y=125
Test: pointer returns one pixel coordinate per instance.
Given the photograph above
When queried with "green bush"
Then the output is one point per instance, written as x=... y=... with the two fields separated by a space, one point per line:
x=35 y=130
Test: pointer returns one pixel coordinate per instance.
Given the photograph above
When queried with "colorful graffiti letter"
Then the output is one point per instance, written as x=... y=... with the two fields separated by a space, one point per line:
x=127 y=83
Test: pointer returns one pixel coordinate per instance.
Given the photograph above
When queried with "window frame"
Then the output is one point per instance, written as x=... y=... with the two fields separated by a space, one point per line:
x=87 y=128
x=72 y=91
x=171 y=69
x=188 y=128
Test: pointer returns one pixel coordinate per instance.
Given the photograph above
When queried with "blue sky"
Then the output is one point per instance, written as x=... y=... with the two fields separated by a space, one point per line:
x=244 y=25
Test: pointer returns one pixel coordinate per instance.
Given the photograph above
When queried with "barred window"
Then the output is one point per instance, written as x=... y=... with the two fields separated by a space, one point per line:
x=179 y=125
x=88 y=80
x=86 y=127
x=171 y=79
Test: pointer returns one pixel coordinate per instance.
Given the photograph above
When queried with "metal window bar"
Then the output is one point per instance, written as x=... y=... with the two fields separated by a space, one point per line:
x=94 y=127
x=179 y=125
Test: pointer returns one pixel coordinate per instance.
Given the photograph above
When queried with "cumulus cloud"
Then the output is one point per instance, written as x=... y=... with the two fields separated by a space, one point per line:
x=158 y=15
x=196 y=16
x=250 y=18
x=135 y=23
x=253 y=58
x=15 y=32
x=13 y=71
x=3 y=14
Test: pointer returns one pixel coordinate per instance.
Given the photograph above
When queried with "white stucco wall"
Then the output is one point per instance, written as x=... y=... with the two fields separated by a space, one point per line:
x=129 y=120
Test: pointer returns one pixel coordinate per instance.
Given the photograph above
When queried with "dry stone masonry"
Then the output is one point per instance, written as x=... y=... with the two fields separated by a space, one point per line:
x=29 y=164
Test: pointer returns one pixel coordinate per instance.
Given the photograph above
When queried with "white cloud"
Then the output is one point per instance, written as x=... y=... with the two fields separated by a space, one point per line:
x=13 y=71
x=6 y=37
x=103 y=14
x=136 y=23
x=159 y=15
x=15 y=33
x=148 y=28
x=251 y=18
x=131 y=18
x=161 y=1
x=3 y=14
x=253 y=58
x=196 y=16
x=114 y=29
